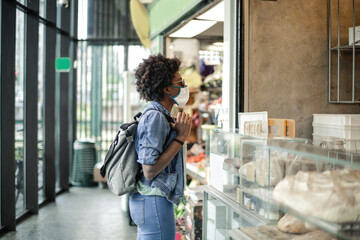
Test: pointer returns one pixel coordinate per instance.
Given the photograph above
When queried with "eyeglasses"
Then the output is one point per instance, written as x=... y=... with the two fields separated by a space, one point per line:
x=182 y=81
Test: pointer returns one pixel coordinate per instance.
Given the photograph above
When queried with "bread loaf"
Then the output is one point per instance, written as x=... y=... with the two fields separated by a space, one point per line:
x=332 y=196
x=291 y=224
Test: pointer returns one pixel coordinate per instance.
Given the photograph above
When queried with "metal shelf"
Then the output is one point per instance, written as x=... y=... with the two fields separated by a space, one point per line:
x=350 y=49
x=247 y=215
x=346 y=48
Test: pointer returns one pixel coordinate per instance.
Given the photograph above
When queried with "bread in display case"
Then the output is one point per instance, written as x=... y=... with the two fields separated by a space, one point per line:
x=283 y=187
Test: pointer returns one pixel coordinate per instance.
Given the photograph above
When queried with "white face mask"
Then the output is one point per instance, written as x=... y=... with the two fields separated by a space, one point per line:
x=182 y=97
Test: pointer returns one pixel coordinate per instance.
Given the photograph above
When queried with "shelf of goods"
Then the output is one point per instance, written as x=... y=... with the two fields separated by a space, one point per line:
x=193 y=170
x=264 y=188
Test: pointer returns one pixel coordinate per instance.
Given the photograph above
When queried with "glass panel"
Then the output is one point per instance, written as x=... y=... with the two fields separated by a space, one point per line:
x=83 y=91
x=261 y=176
x=24 y=2
x=42 y=8
x=100 y=93
x=136 y=54
x=112 y=93
x=82 y=19
x=40 y=113
x=19 y=112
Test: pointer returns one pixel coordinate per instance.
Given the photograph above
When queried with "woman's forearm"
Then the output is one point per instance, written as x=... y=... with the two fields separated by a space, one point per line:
x=151 y=171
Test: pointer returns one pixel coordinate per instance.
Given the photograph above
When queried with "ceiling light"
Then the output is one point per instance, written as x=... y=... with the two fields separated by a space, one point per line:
x=146 y=1
x=218 y=43
x=192 y=28
x=216 y=13
x=215 y=48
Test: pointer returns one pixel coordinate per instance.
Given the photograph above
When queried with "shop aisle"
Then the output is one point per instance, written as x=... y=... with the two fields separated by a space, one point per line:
x=81 y=213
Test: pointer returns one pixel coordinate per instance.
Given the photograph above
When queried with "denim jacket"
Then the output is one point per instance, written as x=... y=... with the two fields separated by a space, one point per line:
x=152 y=131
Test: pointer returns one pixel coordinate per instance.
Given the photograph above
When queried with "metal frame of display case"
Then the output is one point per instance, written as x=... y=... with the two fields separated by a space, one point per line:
x=340 y=49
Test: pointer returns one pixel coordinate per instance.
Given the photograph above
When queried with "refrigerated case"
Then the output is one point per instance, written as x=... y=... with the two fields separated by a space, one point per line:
x=255 y=181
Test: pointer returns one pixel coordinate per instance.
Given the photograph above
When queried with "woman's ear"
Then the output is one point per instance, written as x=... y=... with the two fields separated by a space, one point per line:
x=166 y=90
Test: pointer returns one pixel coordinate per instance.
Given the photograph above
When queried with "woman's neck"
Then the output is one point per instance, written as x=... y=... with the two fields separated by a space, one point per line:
x=167 y=104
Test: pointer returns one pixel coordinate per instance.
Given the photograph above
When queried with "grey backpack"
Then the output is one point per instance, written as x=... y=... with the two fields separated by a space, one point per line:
x=120 y=166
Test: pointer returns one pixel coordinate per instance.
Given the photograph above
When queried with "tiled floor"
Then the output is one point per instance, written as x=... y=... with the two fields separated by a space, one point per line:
x=81 y=213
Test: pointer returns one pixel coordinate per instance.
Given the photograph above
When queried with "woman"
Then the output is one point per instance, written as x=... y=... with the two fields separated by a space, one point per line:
x=159 y=144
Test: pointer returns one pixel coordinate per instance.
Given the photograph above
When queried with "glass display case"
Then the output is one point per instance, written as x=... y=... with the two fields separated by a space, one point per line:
x=280 y=188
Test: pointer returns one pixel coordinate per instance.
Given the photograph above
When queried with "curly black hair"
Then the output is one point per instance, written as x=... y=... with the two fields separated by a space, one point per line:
x=153 y=74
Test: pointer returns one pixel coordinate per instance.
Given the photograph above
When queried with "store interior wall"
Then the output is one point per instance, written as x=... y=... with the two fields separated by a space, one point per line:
x=288 y=61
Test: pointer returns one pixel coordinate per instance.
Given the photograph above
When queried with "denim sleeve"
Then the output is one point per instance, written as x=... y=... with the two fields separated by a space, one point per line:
x=151 y=135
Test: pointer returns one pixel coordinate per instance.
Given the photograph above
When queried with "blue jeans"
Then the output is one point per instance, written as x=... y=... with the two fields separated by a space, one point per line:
x=154 y=216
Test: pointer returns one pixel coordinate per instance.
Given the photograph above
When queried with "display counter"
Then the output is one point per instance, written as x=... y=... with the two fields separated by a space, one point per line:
x=266 y=188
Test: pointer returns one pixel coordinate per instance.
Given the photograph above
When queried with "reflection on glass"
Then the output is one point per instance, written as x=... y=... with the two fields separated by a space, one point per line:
x=22 y=2
x=40 y=114
x=19 y=113
x=42 y=8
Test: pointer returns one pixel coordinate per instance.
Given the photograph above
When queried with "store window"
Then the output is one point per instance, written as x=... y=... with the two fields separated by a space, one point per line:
x=42 y=8
x=24 y=2
x=100 y=92
x=112 y=93
x=40 y=144
x=19 y=113
x=102 y=31
x=136 y=55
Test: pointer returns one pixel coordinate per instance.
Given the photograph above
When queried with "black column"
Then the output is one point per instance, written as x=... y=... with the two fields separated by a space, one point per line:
x=31 y=99
x=7 y=92
x=64 y=137
x=49 y=103
x=72 y=85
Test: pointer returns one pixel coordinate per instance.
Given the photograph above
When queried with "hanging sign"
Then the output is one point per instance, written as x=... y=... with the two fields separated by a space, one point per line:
x=62 y=64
